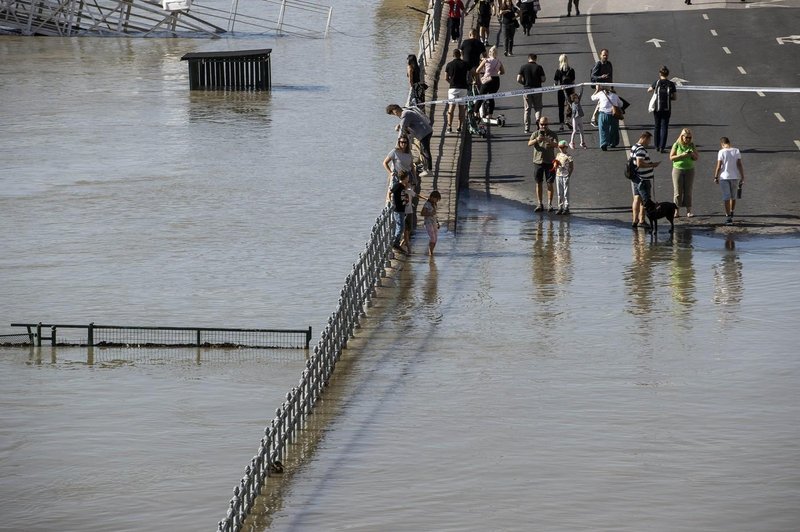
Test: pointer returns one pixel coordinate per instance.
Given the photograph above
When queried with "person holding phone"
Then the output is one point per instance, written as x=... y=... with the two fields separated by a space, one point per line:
x=683 y=156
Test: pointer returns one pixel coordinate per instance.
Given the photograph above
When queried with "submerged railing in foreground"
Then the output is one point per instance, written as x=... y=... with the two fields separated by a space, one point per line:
x=358 y=291
x=138 y=336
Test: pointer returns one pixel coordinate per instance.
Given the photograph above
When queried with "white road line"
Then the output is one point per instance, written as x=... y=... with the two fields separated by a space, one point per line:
x=705 y=17
x=797 y=143
x=714 y=33
x=741 y=70
x=760 y=93
x=726 y=50
x=779 y=117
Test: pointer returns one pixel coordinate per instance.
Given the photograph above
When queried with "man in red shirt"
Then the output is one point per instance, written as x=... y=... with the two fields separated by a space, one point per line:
x=454 y=16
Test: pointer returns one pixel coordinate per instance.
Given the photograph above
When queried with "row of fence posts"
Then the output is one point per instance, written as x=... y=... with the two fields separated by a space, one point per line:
x=357 y=293
x=358 y=290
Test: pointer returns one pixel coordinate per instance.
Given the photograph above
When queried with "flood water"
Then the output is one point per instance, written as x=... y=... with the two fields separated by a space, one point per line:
x=540 y=374
x=545 y=374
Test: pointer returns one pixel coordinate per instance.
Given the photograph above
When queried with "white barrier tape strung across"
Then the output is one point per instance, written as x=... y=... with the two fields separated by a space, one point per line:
x=522 y=92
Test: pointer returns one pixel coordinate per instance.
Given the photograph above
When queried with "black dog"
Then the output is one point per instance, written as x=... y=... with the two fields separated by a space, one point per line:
x=665 y=209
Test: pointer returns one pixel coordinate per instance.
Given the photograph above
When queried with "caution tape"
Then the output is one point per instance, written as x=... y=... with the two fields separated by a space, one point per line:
x=555 y=88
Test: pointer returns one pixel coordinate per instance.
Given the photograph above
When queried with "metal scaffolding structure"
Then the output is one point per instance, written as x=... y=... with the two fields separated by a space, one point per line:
x=148 y=18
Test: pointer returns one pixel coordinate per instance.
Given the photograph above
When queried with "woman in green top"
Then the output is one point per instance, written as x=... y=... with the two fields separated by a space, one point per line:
x=683 y=155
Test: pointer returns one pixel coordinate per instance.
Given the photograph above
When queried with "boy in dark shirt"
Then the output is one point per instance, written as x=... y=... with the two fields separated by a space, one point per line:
x=399 y=208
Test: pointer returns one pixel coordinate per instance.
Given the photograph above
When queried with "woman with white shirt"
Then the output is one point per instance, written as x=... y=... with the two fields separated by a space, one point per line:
x=607 y=124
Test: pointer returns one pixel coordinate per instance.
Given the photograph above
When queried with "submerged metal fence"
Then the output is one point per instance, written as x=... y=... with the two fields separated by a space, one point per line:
x=131 y=336
x=291 y=417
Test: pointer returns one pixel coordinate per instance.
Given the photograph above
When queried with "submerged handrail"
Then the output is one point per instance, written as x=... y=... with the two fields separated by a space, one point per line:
x=356 y=295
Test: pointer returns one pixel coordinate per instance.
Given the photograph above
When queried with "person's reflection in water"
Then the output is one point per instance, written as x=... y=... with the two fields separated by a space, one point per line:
x=728 y=285
x=542 y=265
x=562 y=256
x=638 y=276
x=431 y=307
x=682 y=274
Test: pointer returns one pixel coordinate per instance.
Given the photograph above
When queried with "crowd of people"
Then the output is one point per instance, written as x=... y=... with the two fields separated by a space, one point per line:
x=475 y=68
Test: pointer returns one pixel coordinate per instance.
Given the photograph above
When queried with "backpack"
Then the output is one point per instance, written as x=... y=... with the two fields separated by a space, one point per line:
x=630 y=166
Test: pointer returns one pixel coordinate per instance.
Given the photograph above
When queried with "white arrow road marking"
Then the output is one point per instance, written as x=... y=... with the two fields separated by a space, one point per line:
x=797 y=143
x=794 y=39
x=760 y=94
x=656 y=42
x=779 y=117
x=678 y=81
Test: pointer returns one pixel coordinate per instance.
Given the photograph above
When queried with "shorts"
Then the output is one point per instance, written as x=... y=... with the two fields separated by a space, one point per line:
x=544 y=172
x=484 y=20
x=457 y=93
x=642 y=189
x=729 y=188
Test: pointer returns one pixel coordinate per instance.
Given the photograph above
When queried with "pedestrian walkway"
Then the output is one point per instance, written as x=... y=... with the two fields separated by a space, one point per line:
x=501 y=169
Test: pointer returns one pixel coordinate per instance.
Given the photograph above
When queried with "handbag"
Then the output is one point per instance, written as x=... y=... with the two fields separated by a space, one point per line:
x=516 y=23
x=616 y=112
x=651 y=107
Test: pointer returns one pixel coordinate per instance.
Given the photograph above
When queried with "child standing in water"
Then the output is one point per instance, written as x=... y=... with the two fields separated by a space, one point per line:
x=431 y=222
x=563 y=165
x=408 y=195
x=577 y=118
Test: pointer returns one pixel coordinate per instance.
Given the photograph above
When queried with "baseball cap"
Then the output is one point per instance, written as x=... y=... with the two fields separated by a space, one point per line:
x=562 y=143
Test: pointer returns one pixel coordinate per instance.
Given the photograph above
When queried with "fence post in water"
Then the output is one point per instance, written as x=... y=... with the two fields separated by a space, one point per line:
x=53 y=335
x=90 y=335
x=39 y=334
x=328 y=24
x=198 y=338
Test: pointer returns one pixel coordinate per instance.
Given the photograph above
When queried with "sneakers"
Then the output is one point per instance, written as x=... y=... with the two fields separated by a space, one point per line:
x=572 y=145
x=729 y=220
x=593 y=122
x=527 y=129
x=539 y=208
x=449 y=129
x=565 y=212
x=551 y=209
x=560 y=211
x=634 y=225
x=689 y=214
x=583 y=145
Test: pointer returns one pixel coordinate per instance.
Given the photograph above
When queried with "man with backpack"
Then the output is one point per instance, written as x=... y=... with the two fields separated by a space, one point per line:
x=642 y=181
x=414 y=123
x=661 y=106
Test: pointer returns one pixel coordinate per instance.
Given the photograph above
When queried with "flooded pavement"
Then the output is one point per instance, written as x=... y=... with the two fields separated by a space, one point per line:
x=560 y=374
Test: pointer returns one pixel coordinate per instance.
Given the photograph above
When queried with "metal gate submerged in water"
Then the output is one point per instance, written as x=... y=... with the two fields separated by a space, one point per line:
x=135 y=336
x=239 y=70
